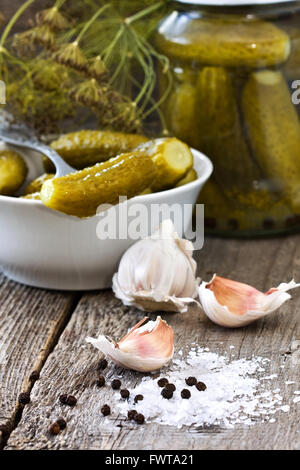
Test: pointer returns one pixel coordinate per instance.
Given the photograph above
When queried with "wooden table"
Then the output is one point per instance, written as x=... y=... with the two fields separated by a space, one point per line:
x=45 y=331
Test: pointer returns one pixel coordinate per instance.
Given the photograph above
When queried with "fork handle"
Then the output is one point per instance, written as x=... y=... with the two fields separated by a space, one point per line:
x=62 y=168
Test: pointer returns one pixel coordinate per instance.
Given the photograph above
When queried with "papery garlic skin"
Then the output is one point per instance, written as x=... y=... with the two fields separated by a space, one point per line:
x=145 y=348
x=234 y=304
x=158 y=273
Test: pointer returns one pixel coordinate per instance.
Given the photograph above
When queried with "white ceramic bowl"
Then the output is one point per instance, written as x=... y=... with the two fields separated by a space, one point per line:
x=45 y=248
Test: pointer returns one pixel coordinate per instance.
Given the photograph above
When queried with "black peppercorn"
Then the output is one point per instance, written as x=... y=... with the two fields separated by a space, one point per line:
x=63 y=398
x=171 y=387
x=131 y=414
x=24 y=398
x=105 y=410
x=124 y=393
x=54 y=428
x=138 y=398
x=102 y=364
x=201 y=386
x=116 y=384
x=185 y=393
x=139 y=418
x=62 y=423
x=162 y=382
x=101 y=381
x=71 y=401
x=35 y=375
x=167 y=393
x=191 y=381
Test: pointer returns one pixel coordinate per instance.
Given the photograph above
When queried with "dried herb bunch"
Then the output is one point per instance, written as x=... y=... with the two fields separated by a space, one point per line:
x=87 y=58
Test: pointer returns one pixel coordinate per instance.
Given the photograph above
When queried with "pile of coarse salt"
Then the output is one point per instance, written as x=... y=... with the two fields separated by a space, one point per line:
x=237 y=392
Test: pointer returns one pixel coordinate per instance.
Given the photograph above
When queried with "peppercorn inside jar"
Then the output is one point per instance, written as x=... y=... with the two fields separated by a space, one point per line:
x=235 y=96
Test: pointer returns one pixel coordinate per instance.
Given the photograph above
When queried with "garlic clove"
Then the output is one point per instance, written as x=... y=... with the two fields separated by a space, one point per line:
x=233 y=304
x=158 y=272
x=148 y=346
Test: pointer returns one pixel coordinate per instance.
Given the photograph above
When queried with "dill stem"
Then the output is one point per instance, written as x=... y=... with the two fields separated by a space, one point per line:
x=91 y=21
x=114 y=42
x=121 y=62
x=13 y=20
x=59 y=4
x=142 y=13
x=149 y=72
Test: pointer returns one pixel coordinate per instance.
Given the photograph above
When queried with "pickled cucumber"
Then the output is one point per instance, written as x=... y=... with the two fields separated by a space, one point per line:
x=85 y=148
x=36 y=185
x=220 y=130
x=223 y=213
x=180 y=113
x=230 y=42
x=13 y=172
x=154 y=165
x=214 y=199
x=189 y=177
x=81 y=193
x=292 y=66
x=35 y=196
x=146 y=191
x=274 y=130
x=172 y=158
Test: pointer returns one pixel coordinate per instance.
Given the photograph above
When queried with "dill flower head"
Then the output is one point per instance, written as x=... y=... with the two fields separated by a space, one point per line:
x=89 y=93
x=24 y=43
x=49 y=75
x=53 y=18
x=98 y=70
x=71 y=55
x=123 y=113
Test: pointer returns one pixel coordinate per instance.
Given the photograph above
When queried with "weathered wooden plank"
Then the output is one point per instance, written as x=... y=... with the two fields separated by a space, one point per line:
x=71 y=366
x=30 y=321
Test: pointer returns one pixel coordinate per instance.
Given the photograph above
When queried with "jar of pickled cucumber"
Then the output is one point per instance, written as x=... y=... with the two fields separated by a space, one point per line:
x=235 y=96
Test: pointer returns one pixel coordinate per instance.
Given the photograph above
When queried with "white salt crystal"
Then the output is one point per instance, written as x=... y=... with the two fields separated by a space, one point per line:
x=234 y=395
x=289 y=382
x=270 y=377
x=296 y=400
x=285 y=408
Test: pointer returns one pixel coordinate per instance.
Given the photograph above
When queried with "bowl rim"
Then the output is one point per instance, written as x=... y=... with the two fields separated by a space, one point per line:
x=205 y=175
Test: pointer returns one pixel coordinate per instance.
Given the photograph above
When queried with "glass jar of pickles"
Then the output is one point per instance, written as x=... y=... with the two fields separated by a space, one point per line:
x=235 y=96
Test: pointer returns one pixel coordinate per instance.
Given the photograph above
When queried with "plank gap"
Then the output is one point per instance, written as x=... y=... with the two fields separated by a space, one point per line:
x=58 y=329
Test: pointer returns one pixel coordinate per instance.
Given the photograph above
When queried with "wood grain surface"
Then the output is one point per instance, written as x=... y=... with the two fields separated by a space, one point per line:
x=30 y=322
x=71 y=366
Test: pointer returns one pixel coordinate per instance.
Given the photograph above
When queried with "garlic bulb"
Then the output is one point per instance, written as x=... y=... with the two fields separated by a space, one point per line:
x=158 y=272
x=148 y=346
x=232 y=304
